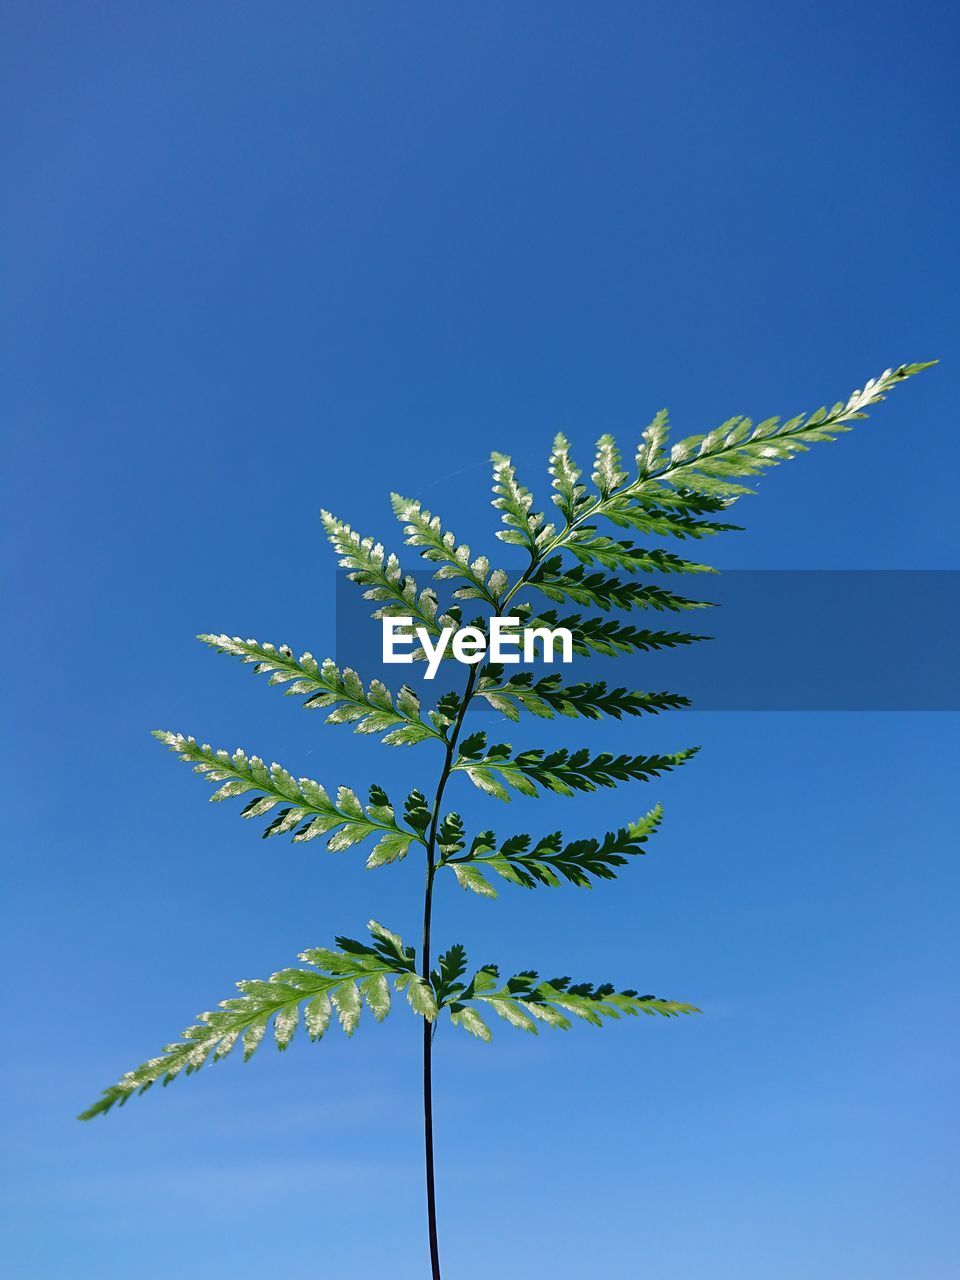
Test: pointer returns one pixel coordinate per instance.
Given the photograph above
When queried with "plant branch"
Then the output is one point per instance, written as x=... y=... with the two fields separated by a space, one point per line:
x=425 y=972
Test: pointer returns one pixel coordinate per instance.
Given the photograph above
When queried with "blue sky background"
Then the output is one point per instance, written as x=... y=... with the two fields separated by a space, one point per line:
x=260 y=259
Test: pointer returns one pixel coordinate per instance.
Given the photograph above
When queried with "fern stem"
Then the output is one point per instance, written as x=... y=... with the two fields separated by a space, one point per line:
x=536 y=559
x=428 y=1096
x=425 y=973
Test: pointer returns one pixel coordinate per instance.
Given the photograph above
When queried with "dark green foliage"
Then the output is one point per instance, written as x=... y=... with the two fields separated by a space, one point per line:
x=308 y=811
x=589 y=547
x=341 y=693
x=606 y=636
x=548 y=696
x=584 y=587
x=681 y=491
x=524 y=1001
x=561 y=771
x=548 y=862
x=340 y=981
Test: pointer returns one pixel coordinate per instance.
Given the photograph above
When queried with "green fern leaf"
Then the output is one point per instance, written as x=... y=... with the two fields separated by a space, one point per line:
x=356 y=973
x=420 y=995
x=678 y=493
x=711 y=464
x=682 y=491
x=592 y=548
x=667 y=513
x=571 y=495
x=583 y=587
x=525 y=1001
x=426 y=532
x=370 y=710
x=472 y=878
x=452 y=965
x=385 y=582
x=651 y=454
x=552 y=859
x=525 y=527
x=561 y=771
x=607 y=636
x=607 y=471
x=309 y=812
x=548 y=695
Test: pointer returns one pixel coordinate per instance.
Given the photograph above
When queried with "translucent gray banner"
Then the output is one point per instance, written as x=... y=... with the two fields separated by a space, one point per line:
x=779 y=640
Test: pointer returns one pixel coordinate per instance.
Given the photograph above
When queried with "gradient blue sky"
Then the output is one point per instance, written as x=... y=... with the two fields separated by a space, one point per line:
x=260 y=259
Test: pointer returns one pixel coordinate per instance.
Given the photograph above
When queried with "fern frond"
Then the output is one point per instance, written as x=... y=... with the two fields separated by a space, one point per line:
x=426 y=532
x=525 y=1001
x=651 y=453
x=371 y=567
x=607 y=636
x=309 y=812
x=571 y=496
x=607 y=470
x=342 y=980
x=583 y=587
x=525 y=527
x=592 y=548
x=682 y=491
x=341 y=692
x=452 y=965
x=551 y=859
x=561 y=771
x=666 y=513
x=712 y=464
x=548 y=696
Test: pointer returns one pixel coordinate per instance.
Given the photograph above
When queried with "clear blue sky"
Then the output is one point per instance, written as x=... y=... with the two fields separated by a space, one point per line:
x=259 y=259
